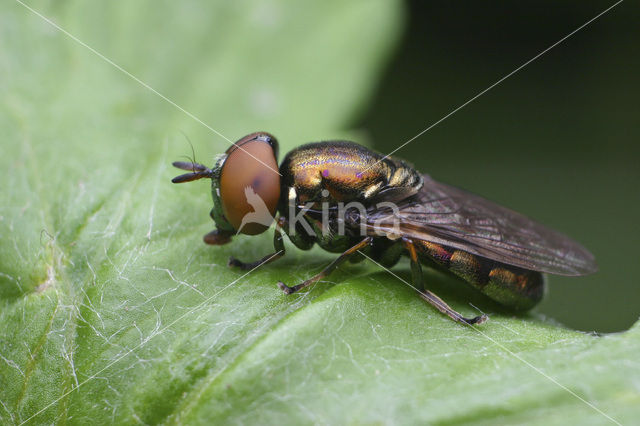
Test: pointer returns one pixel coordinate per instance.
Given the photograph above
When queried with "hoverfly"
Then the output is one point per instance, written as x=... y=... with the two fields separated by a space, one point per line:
x=498 y=251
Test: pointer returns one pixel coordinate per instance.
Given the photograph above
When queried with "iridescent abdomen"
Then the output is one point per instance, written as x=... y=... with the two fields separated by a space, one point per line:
x=508 y=285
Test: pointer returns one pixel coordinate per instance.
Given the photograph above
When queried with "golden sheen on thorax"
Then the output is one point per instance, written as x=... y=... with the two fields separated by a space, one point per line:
x=334 y=167
x=348 y=171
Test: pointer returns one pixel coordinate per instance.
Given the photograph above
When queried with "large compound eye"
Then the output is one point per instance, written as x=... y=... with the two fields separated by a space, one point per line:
x=250 y=189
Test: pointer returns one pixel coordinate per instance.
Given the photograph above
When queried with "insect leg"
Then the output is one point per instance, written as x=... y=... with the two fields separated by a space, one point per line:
x=217 y=237
x=326 y=271
x=435 y=301
x=278 y=245
x=416 y=267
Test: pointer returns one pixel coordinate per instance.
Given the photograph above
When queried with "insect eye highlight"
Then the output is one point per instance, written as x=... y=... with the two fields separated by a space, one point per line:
x=250 y=184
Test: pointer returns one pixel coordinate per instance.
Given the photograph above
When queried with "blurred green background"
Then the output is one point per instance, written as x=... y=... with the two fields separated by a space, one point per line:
x=557 y=141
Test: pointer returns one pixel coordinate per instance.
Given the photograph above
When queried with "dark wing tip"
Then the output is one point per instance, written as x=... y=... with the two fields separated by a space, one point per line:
x=588 y=267
x=577 y=262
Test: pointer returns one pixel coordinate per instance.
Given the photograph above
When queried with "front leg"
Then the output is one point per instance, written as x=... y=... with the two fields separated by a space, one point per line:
x=278 y=245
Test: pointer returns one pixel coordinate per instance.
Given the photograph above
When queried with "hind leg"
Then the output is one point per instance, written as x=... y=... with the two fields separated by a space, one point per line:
x=432 y=298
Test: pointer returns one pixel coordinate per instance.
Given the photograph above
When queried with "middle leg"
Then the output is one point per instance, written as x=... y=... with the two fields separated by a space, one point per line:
x=326 y=271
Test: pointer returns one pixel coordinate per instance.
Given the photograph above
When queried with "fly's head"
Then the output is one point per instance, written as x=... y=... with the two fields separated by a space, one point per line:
x=245 y=186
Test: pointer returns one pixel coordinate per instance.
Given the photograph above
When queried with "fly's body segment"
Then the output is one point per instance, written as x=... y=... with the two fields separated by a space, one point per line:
x=351 y=200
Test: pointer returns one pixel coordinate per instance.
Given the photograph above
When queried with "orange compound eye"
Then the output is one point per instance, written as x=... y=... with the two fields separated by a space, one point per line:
x=250 y=189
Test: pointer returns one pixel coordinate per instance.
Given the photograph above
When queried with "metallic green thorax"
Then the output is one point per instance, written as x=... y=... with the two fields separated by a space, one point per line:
x=216 y=212
x=350 y=172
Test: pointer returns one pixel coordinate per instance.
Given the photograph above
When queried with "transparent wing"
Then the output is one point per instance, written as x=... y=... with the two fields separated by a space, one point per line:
x=446 y=215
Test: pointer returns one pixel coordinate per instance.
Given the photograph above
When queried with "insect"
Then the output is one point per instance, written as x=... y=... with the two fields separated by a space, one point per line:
x=351 y=200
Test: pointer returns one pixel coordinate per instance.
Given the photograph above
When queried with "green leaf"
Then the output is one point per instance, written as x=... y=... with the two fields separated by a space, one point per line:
x=113 y=309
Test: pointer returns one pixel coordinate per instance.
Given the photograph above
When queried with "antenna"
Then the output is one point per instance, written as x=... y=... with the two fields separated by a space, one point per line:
x=198 y=171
